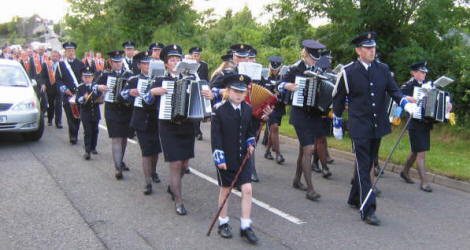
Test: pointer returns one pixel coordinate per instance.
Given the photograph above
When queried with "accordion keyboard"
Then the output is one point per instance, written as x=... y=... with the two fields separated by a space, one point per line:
x=164 y=112
x=298 y=95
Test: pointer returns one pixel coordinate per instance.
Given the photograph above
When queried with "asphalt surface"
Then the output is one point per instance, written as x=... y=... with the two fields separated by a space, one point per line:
x=51 y=198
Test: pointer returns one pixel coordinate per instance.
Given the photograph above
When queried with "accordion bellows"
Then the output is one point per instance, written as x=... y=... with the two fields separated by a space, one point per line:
x=259 y=97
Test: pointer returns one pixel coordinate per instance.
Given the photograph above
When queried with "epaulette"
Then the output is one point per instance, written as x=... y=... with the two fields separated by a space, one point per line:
x=295 y=64
x=219 y=104
x=128 y=71
x=348 y=65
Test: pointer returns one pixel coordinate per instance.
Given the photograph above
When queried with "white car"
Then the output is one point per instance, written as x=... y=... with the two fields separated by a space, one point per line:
x=20 y=110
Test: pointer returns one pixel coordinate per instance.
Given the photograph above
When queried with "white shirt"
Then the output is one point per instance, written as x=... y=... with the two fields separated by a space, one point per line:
x=366 y=66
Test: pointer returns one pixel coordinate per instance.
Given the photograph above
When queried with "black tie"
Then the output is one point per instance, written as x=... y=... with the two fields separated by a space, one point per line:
x=239 y=113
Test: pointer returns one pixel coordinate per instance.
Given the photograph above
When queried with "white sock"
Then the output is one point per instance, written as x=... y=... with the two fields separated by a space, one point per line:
x=245 y=223
x=223 y=220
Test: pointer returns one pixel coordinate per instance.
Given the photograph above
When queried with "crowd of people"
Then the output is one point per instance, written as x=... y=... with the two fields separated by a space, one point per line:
x=132 y=99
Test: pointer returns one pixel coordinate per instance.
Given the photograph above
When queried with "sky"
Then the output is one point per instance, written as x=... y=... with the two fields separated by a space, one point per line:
x=56 y=9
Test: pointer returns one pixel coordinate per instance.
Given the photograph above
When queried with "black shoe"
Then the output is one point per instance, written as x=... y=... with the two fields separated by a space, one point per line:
x=249 y=235
x=299 y=186
x=73 y=141
x=59 y=126
x=49 y=124
x=148 y=189
x=187 y=170
x=124 y=167
x=326 y=172
x=371 y=219
x=86 y=156
x=199 y=137
x=171 y=193
x=315 y=167
x=155 y=178
x=94 y=152
x=426 y=188
x=180 y=210
x=238 y=188
x=118 y=175
x=225 y=231
x=268 y=156
x=254 y=177
x=312 y=196
x=330 y=160
x=354 y=205
x=279 y=159
x=405 y=178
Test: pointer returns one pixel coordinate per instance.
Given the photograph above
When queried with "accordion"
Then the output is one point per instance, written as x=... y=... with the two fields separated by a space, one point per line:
x=433 y=104
x=313 y=92
x=259 y=98
x=391 y=110
x=115 y=85
x=184 y=101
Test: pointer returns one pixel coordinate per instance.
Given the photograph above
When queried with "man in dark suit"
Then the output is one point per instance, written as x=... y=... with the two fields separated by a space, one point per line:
x=365 y=82
x=47 y=79
x=67 y=76
x=128 y=61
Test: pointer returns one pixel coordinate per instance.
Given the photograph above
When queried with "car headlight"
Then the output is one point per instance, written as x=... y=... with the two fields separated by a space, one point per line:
x=25 y=106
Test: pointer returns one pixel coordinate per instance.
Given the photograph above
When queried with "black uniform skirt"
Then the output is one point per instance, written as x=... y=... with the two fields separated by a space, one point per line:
x=177 y=140
x=420 y=140
x=307 y=132
x=276 y=115
x=149 y=142
x=225 y=177
x=117 y=121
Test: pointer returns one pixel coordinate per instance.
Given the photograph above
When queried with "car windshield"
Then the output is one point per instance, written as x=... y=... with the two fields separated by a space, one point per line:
x=12 y=76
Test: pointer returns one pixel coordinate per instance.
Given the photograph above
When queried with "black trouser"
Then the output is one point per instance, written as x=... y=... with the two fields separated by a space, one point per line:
x=55 y=107
x=197 y=127
x=365 y=151
x=73 y=123
x=90 y=135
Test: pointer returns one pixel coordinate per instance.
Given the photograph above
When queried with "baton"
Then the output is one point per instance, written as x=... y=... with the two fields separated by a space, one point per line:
x=242 y=166
x=385 y=164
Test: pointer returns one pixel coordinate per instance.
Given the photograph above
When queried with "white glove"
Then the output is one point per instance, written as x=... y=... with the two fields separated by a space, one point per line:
x=338 y=127
x=338 y=133
x=411 y=108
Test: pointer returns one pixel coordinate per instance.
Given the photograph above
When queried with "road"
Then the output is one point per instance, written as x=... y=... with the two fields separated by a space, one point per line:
x=53 y=199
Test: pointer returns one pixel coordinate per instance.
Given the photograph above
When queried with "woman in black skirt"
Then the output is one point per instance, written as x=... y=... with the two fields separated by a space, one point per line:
x=309 y=125
x=117 y=112
x=144 y=117
x=177 y=139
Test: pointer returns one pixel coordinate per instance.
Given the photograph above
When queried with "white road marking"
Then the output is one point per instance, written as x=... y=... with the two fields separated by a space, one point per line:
x=262 y=204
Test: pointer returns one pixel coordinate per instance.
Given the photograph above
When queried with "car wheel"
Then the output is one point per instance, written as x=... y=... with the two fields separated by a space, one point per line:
x=35 y=135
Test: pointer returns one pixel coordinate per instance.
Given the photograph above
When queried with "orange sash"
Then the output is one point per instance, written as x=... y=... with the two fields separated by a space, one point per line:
x=50 y=70
x=99 y=64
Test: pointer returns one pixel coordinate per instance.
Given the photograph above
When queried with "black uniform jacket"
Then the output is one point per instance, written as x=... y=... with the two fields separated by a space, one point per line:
x=203 y=71
x=299 y=117
x=229 y=133
x=89 y=111
x=132 y=66
x=63 y=77
x=367 y=104
x=407 y=89
x=145 y=118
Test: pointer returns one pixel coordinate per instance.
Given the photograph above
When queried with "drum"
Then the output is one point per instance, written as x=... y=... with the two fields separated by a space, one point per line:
x=74 y=107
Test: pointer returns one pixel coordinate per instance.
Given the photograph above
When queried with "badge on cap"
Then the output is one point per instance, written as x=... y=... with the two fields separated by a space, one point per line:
x=174 y=47
x=87 y=68
x=117 y=53
x=146 y=53
x=369 y=36
x=242 y=78
x=242 y=47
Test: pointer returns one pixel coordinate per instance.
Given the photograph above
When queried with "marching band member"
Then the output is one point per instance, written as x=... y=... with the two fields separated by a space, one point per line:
x=129 y=63
x=275 y=63
x=117 y=112
x=203 y=73
x=88 y=97
x=233 y=136
x=226 y=67
x=418 y=130
x=67 y=76
x=144 y=119
x=365 y=82
x=309 y=126
x=177 y=138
